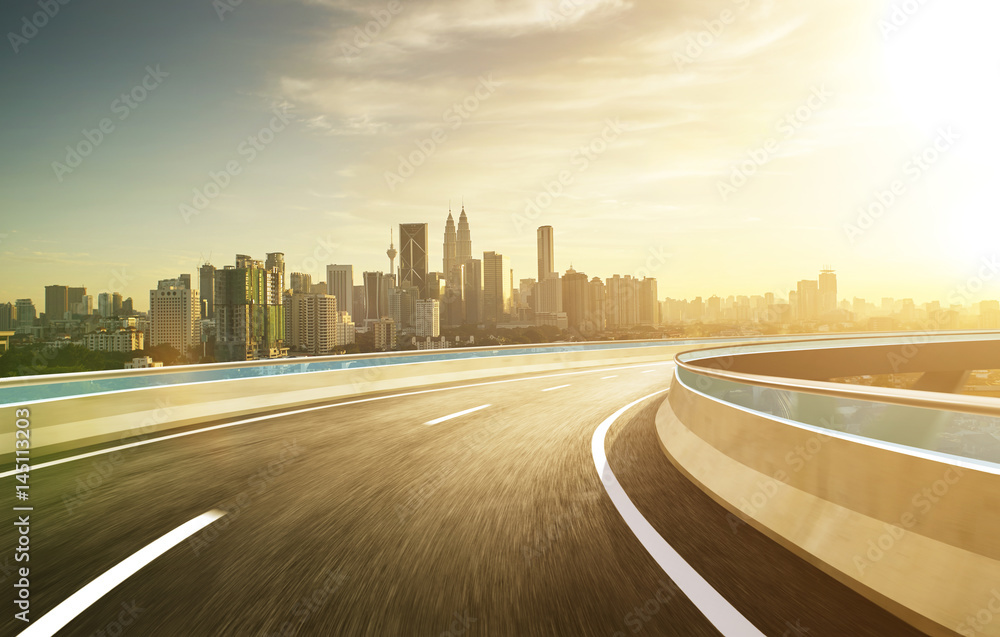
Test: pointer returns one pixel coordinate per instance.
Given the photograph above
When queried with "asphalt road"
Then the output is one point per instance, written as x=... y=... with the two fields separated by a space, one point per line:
x=361 y=519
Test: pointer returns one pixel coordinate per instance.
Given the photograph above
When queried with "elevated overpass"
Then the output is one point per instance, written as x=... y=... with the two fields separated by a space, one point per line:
x=523 y=490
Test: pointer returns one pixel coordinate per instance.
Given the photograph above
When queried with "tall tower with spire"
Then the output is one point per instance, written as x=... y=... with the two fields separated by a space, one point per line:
x=464 y=251
x=450 y=245
x=391 y=253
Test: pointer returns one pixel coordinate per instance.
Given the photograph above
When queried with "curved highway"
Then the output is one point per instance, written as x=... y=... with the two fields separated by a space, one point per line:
x=467 y=509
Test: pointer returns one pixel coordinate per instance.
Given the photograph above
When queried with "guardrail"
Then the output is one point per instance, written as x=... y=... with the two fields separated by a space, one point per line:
x=894 y=492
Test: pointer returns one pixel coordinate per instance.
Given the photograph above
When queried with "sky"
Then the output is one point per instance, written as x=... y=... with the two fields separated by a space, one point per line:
x=722 y=146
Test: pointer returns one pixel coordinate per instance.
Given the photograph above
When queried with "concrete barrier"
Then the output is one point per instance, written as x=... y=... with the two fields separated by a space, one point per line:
x=910 y=530
x=78 y=421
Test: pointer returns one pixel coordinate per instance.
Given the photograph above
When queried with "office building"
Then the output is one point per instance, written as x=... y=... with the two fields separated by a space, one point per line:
x=576 y=299
x=26 y=315
x=413 y=256
x=827 y=292
x=376 y=288
x=56 y=302
x=275 y=263
x=497 y=288
x=340 y=283
x=474 y=292
x=807 y=300
x=116 y=300
x=8 y=317
x=206 y=282
x=546 y=253
x=175 y=317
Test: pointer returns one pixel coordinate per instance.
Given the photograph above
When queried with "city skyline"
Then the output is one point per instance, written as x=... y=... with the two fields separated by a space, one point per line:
x=663 y=163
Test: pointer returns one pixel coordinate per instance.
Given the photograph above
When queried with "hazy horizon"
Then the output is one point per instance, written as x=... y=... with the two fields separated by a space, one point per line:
x=833 y=101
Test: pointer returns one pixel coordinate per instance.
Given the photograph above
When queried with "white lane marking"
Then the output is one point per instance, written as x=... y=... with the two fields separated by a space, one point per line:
x=54 y=620
x=607 y=377
x=305 y=410
x=456 y=415
x=712 y=605
x=555 y=388
x=649 y=371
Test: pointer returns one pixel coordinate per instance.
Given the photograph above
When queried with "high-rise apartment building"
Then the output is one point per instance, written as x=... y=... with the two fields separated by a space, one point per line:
x=300 y=283
x=428 y=318
x=206 y=282
x=649 y=304
x=174 y=316
x=385 y=334
x=597 y=306
x=313 y=323
x=275 y=263
x=622 y=302
x=26 y=315
x=497 y=288
x=340 y=283
x=413 y=256
x=56 y=302
x=249 y=314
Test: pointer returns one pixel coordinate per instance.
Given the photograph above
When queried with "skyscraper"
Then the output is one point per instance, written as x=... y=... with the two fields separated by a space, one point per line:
x=464 y=248
x=450 y=246
x=8 y=317
x=413 y=256
x=26 y=315
x=827 y=291
x=546 y=253
x=300 y=283
x=174 y=312
x=575 y=297
x=497 y=293
x=376 y=295
x=428 y=318
x=807 y=296
x=340 y=283
x=116 y=300
x=74 y=300
x=206 y=281
x=248 y=323
x=56 y=302
x=104 y=304
x=474 y=291
x=275 y=263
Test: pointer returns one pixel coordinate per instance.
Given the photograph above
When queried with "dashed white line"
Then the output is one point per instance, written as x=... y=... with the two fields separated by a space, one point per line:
x=712 y=605
x=555 y=388
x=455 y=415
x=54 y=620
x=305 y=410
x=607 y=377
x=649 y=371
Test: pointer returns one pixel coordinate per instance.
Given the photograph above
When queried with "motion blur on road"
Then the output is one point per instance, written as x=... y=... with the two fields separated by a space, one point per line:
x=383 y=516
